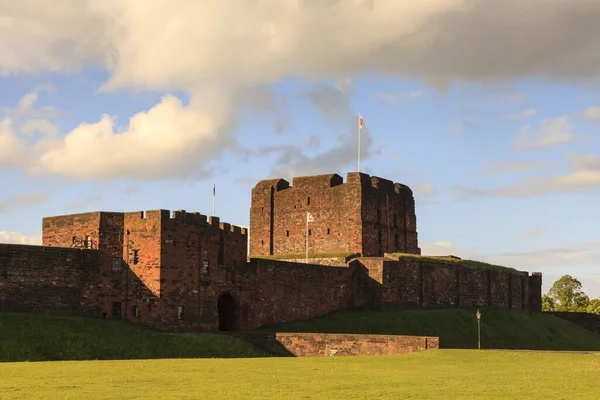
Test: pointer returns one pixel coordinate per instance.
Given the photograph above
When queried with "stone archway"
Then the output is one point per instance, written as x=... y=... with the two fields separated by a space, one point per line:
x=228 y=310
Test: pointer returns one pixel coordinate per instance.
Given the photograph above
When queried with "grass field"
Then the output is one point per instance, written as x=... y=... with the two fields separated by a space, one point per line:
x=457 y=328
x=436 y=374
x=40 y=337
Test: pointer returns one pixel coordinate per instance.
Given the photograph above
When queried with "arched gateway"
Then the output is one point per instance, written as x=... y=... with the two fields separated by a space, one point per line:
x=227 y=307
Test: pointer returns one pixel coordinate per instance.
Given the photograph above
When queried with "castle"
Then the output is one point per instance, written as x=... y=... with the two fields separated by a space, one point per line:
x=187 y=271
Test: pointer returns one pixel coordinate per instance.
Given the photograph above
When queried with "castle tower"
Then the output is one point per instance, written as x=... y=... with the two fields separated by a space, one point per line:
x=366 y=215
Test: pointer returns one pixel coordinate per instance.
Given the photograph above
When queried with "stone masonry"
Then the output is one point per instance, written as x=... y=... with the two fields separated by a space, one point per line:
x=187 y=271
x=366 y=215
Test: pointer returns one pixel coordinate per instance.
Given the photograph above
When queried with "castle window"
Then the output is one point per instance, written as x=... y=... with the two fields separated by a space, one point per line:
x=287 y=233
x=88 y=242
x=118 y=237
x=135 y=311
x=74 y=239
x=117 y=264
x=180 y=314
x=328 y=231
x=136 y=258
x=396 y=240
x=395 y=221
x=309 y=232
x=308 y=201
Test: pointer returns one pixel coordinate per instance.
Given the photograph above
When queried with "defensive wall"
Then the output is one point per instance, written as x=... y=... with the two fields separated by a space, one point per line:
x=335 y=345
x=184 y=270
x=365 y=215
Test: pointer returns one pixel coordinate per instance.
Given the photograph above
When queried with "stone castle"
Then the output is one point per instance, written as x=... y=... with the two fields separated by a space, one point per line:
x=187 y=271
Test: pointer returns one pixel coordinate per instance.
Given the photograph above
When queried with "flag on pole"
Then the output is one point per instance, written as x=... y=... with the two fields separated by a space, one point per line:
x=360 y=121
x=214 y=189
x=309 y=217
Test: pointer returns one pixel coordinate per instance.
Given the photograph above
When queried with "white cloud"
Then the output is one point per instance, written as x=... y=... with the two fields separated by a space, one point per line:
x=440 y=248
x=166 y=140
x=19 y=238
x=523 y=114
x=23 y=200
x=424 y=190
x=552 y=132
x=43 y=126
x=12 y=149
x=512 y=166
x=83 y=203
x=584 y=174
x=591 y=114
x=204 y=41
x=219 y=47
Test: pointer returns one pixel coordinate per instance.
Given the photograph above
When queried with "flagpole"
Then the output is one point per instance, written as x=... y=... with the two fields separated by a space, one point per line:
x=213 y=211
x=307 y=237
x=359 y=142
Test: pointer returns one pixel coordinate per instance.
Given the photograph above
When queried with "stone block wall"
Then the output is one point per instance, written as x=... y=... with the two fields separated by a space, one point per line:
x=424 y=282
x=336 y=345
x=55 y=280
x=366 y=215
x=272 y=291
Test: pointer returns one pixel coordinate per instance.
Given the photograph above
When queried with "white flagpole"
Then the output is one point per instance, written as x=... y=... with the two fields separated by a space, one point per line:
x=358 y=143
x=214 y=193
x=307 y=237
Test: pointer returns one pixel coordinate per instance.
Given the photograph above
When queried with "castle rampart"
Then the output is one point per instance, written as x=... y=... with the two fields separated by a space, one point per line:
x=184 y=270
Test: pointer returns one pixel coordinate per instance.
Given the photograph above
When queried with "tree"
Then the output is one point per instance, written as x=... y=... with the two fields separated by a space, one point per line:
x=593 y=306
x=567 y=295
x=547 y=303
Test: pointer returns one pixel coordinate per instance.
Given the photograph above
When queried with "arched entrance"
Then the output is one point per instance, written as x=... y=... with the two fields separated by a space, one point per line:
x=228 y=312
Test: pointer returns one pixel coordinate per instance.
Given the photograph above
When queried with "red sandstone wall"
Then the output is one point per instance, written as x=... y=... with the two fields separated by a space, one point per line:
x=388 y=217
x=274 y=291
x=429 y=283
x=365 y=215
x=336 y=345
x=46 y=279
x=61 y=231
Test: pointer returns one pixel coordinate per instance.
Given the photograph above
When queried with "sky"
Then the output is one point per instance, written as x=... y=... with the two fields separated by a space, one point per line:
x=488 y=110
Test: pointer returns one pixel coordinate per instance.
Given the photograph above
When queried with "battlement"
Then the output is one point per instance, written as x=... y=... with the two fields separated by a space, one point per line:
x=323 y=181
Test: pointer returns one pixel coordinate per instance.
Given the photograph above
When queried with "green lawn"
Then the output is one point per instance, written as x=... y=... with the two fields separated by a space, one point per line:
x=40 y=337
x=457 y=328
x=436 y=374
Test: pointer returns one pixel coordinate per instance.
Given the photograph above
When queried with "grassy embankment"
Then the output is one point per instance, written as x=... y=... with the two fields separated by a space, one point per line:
x=40 y=337
x=457 y=328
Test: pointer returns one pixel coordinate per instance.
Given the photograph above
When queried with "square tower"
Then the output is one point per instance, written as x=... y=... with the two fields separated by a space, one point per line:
x=366 y=215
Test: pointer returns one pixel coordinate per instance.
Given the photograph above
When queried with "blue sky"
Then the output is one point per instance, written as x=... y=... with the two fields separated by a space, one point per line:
x=500 y=147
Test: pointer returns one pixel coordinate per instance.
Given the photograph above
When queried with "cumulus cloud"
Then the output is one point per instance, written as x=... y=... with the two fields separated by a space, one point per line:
x=42 y=126
x=551 y=132
x=12 y=149
x=19 y=238
x=216 y=47
x=161 y=142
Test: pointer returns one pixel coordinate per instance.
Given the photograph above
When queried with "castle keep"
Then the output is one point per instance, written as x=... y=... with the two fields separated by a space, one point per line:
x=366 y=215
x=185 y=270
